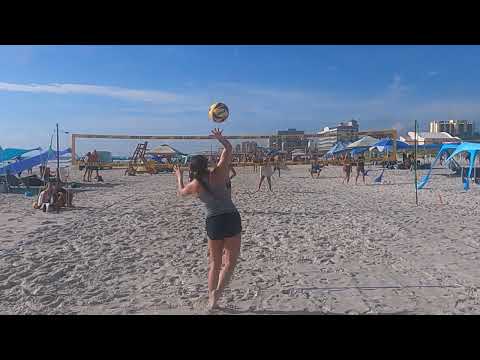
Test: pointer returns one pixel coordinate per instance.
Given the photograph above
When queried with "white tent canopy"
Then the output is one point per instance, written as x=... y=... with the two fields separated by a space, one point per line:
x=163 y=150
x=365 y=141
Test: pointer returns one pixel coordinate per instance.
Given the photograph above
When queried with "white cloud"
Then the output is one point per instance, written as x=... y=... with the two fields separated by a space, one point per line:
x=432 y=73
x=254 y=108
x=85 y=89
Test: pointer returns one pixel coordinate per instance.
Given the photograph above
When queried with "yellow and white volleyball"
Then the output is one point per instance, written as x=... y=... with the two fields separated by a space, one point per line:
x=218 y=112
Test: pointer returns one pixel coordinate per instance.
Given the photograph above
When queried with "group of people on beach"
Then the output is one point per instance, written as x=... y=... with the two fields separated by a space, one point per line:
x=348 y=163
x=91 y=160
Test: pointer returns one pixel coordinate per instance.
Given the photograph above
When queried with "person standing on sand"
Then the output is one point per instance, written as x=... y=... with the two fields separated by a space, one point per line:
x=347 y=169
x=88 y=164
x=315 y=168
x=223 y=222
x=266 y=171
x=95 y=165
x=276 y=165
x=360 y=168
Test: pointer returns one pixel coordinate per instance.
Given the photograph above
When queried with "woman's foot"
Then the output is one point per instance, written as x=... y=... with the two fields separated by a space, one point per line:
x=213 y=300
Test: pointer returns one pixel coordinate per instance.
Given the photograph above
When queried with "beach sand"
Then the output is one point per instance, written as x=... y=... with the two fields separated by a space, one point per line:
x=314 y=246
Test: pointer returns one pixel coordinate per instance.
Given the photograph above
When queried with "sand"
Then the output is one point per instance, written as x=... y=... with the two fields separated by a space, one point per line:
x=314 y=246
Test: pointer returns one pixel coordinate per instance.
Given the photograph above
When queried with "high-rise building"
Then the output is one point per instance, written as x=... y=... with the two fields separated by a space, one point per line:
x=238 y=149
x=459 y=128
x=288 y=140
x=343 y=132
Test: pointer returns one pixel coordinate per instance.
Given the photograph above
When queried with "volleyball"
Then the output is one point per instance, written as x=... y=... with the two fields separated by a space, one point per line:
x=218 y=112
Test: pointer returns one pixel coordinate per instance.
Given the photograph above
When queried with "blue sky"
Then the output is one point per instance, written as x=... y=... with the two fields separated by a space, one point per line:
x=167 y=89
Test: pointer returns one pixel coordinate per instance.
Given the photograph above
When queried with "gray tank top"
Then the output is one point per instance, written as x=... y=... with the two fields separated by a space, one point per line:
x=220 y=202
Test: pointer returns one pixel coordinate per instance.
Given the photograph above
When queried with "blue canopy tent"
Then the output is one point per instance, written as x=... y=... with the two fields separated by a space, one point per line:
x=387 y=145
x=443 y=149
x=31 y=162
x=472 y=149
x=272 y=152
x=358 y=150
x=338 y=148
x=12 y=153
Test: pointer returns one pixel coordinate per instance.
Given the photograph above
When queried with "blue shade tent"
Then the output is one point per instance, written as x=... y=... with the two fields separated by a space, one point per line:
x=359 y=150
x=29 y=163
x=338 y=148
x=387 y=145
x=272 y=152
x=444 y=149
x=472 y=149
x=12 y=153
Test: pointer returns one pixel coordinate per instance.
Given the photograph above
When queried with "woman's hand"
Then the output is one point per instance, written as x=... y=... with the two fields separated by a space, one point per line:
x=178 y=171
x=217 y=133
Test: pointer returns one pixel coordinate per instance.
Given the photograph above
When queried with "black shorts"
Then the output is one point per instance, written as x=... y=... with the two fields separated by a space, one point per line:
x=224 y=225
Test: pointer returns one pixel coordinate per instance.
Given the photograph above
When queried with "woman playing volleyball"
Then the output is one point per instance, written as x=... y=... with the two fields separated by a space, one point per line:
x=223 y=222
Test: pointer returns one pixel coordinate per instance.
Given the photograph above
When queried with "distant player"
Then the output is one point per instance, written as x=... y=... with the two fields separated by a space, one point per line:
x=360 y=168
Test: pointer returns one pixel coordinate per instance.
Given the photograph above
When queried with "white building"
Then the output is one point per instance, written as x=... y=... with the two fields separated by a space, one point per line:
x=343 y=132
x=430 y=138
x=325 y=143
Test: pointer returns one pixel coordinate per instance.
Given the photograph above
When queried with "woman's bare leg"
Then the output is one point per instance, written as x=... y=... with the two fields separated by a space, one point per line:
x=269 y=183
x=215 y=264
x=232 y=252
x=261 y=181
